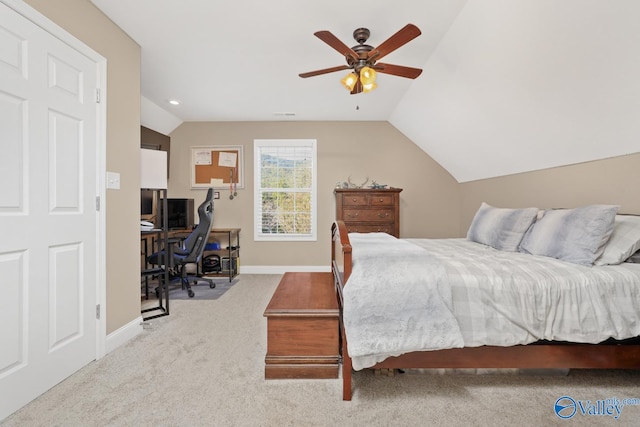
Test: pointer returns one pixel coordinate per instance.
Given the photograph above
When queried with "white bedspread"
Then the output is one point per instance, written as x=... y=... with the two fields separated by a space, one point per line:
x=396 y=300
x=452 y=292
x=508 y=298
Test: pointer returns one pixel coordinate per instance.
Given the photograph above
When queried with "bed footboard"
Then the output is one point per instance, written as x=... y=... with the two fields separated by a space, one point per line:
x=341 y=269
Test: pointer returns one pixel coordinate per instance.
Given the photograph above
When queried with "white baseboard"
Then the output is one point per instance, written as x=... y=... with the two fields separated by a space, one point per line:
x=120 y=336
x=281 y=269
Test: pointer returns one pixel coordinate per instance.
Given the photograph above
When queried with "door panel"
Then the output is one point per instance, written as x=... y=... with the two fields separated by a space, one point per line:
x=65 y=302
x=65 y=168
x=12 y=161
x=13 y=312
x=48 y=221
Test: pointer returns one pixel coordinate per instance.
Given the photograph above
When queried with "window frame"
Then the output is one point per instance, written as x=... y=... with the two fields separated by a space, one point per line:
x=258 y=235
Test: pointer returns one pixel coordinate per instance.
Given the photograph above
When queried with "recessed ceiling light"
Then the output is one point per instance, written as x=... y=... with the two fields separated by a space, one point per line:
x=174 y=102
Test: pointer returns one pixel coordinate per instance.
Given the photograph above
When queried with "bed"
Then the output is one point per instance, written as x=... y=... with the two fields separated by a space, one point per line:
x=485 y=302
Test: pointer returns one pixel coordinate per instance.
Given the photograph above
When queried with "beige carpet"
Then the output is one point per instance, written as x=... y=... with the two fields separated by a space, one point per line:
x=201 y=290
x=204 y=366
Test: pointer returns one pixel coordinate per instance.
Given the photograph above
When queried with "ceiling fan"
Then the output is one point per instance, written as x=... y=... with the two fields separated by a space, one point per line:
x=363 y=58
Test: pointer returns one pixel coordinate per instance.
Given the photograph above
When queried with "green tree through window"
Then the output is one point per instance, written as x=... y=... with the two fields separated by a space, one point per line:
x=285 y=183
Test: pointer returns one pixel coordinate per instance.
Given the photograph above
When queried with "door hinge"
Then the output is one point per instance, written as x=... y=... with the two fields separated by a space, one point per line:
x=98 y=203
x=98 y=312
x=97 y=96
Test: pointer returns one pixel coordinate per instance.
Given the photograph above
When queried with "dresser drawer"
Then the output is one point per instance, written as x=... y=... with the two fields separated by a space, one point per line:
x=369 y=215
x=381 y=200
x=355 y=200
x=359 y=228
x=368 y=200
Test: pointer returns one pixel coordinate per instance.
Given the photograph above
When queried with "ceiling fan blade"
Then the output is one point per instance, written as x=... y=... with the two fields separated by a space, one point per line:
x=323 y=71
x=398 y=70
x=403 y=36
x=335 y=43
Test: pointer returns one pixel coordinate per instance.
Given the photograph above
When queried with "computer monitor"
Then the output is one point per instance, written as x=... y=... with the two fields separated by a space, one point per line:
x=180 y=214
x=147 y=204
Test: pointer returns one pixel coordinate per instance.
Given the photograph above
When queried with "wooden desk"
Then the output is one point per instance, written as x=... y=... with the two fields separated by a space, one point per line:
x=229 y=252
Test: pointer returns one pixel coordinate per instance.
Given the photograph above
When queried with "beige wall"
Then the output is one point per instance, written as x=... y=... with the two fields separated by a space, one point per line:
x=610 y=181
x=432 y=203
x=83 y=20
x=429 y=201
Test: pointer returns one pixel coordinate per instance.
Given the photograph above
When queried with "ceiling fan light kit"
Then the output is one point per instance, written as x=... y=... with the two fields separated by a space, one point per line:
x=369 y=87
x=349 y=81
x=362 y=59
x=367 y=75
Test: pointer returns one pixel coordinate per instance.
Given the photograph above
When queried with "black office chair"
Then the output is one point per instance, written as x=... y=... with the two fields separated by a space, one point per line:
x=189 y=250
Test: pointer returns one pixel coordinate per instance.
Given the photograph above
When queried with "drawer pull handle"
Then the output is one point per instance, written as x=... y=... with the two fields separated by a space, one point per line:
x=383 y=215
x=355 y=200
x=381 y=200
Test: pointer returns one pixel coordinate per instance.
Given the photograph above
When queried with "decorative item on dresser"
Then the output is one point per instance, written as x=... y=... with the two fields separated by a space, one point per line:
x=369 y=210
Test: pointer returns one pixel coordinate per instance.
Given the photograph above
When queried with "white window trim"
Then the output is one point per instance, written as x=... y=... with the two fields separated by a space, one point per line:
x=257 y=225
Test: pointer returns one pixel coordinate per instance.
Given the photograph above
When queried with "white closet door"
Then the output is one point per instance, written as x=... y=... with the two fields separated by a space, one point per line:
x=48 y=218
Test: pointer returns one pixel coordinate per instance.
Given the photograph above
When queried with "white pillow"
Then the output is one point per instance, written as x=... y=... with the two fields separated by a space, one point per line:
x=501 y=228
x=624 y=241
x=574 y=235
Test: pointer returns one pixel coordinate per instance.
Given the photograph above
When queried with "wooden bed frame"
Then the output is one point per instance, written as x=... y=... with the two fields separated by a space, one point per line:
x=614 y=355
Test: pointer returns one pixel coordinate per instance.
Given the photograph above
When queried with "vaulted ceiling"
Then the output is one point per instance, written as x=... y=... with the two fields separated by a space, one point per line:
x=508 y=86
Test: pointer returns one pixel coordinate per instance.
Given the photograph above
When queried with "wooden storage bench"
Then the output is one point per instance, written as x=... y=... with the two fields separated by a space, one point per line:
x=303 y=328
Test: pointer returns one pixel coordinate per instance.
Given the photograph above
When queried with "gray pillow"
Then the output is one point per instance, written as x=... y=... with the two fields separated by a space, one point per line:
x=635 y=258
x=500 y=228
x=573 y=235
x=624 y=241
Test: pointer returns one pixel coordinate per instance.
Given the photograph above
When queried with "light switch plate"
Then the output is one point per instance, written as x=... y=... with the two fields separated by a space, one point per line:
x=113 y=180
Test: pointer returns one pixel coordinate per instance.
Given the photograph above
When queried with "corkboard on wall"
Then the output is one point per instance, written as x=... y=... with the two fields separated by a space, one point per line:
x=220 y=167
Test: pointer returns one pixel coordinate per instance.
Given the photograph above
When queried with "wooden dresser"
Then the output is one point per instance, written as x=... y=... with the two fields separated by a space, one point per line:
x=369 y=210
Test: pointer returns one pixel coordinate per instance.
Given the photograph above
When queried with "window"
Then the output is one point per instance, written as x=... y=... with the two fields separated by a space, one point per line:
x=285 y=189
